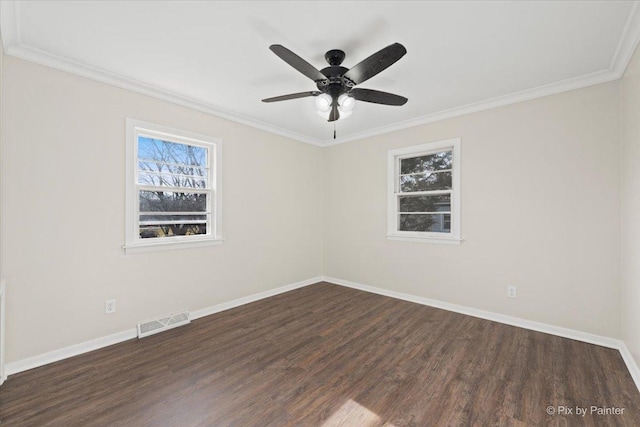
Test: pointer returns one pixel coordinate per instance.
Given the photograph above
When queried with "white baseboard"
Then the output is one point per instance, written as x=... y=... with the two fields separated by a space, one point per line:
x=509 y=320
x=634 y=370
x=488 y=315
x=66 y=352
x=3 y=374
x=95 y=344
x=252 y=298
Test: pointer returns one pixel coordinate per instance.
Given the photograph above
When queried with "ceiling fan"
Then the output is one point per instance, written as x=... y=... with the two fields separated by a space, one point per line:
x=336 y=93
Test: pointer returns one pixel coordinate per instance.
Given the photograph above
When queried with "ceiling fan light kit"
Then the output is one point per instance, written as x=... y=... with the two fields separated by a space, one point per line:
x=336 y=96
x=345 y=105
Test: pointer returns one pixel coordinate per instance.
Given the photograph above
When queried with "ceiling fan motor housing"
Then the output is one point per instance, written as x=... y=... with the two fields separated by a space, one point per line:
x=334 y=84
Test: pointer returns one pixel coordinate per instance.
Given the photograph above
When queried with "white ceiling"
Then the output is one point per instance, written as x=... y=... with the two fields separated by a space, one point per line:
x=214 y=56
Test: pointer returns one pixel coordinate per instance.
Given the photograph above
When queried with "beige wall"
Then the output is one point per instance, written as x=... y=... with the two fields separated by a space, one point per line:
x=541 y=200
x=64 y=150
x=630 y=133
x=540 y=210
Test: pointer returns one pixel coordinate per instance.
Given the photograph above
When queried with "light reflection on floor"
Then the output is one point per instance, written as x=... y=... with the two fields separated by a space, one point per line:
x=354 y=414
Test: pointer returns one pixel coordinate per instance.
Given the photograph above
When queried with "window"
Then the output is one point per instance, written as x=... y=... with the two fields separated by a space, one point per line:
x=173 y=195
x=424 y=192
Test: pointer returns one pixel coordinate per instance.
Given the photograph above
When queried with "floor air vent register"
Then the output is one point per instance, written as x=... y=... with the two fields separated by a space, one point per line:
x=163 y=324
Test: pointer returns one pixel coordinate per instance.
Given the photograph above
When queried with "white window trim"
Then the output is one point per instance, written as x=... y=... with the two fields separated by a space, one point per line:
x=133 y=243
x=393 y=164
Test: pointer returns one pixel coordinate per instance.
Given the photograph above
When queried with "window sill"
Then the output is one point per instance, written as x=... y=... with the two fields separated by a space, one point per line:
x=169 y=246
x=431 y=239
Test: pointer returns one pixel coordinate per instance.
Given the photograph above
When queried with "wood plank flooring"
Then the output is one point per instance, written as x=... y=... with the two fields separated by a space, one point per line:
x=325 y=355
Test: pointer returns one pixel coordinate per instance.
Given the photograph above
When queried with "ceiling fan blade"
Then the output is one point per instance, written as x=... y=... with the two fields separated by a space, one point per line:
x=377 y=97
x=376 y=63
x=335 y=114
x=292 y=96
x=298 y=63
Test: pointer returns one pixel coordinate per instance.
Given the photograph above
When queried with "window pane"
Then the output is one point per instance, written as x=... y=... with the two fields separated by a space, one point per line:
x=165 y=163
x=425 y=182
x=430 y=162
x=440 y=203
x=150 y=231
x=171 y=152
x=435 y=223
x=167 y=201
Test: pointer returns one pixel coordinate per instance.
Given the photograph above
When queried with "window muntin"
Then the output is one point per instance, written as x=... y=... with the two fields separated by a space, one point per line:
x=172 y=178
x=423 y=191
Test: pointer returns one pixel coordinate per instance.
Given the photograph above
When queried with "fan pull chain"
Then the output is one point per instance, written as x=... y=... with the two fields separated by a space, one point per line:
x=334 y=130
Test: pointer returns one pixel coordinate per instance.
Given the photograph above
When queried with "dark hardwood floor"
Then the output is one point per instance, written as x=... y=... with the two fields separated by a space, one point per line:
x=326 y=355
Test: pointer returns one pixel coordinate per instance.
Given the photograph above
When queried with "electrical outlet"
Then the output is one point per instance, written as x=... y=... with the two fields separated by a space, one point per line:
x=110 y=306
x=511 y=291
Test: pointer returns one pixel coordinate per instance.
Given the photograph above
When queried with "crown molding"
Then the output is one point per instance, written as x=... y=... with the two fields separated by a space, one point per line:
x=628 y=43
x=32 y=54
x=629 y=40
x=512 y=98
x=10 y=33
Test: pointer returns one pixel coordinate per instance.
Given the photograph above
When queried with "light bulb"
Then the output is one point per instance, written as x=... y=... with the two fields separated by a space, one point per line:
x=323 y=103
x=346 y=102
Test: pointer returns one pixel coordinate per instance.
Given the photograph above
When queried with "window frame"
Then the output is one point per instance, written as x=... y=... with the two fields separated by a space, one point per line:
x=393 y=195
x=133 y=242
